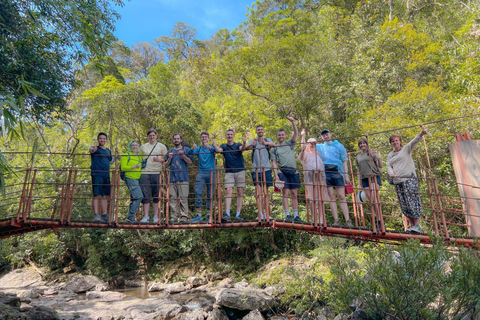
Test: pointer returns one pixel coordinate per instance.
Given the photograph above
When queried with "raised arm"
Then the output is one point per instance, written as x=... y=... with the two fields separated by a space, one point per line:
x=295 y=129
x=301 y=156
x=217 y=149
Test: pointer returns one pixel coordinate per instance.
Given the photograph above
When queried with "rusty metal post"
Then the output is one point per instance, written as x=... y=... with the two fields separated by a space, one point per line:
x=430 y=191
x=267 y=198
x=219 y=196
x=66 y=196
x=167 y=198
x=258 y=196
x=69 y=211
x=29 y=203
x=355 y=214
x=22 y=197
x=210 y=200
x=442 y=213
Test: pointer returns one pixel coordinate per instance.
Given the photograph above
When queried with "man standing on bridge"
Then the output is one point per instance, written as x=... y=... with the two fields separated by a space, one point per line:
x=335 y=157
x=283 y=158
x=153 y=153
x=100 y=171
x=178 y=159
x=234 y=172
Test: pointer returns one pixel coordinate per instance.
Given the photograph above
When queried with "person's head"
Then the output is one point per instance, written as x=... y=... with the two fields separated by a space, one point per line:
x=311 y=144
x=326 y=135
x=260 y=130
x=396 y=142
x=152 y=136
x=177 y=139
x=133 y=146
x=204 y=137
x=230 y=134
x=102 y=139
x=281 y=135
x=363 y=144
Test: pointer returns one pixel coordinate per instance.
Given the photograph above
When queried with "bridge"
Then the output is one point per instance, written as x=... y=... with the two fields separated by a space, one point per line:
x=53 y=192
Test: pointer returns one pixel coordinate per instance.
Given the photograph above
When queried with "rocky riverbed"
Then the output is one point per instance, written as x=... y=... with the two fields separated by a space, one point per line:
x=24 y=294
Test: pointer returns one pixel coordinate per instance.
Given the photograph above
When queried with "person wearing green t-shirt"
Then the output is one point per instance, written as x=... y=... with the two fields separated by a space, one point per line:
x=131 y=164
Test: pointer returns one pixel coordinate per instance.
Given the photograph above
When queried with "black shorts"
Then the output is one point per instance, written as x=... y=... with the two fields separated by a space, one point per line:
x=150 y=184
x=365 y=181
x=334 y=179
x=101 y=186
x=292 y=181
x=268 y=178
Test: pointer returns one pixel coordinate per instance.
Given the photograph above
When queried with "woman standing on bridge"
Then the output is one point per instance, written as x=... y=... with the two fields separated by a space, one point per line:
x=131 y=164
x=401 y=170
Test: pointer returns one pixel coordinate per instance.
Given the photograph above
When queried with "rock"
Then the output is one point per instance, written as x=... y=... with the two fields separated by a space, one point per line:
x=50 y=292
x=225 y=283
x=168 y=310
x=20 y=278
x=10 y=300
x=42 y=313
x=175 y=287
x=254 y=315
x=195 y=281
x=248 y=299
x=321 y=317
x=278 y=318
x=216 y=314
x=359 y=314
x=117 y=281
x=81 y=284
x=105 y=295
x=8 y=312
x=275 y=291
x=69 y=268
x=157 y=286
x=341 y=316
x=192 y=315
x=241 y=285
x=32 y=294
x=214 y=276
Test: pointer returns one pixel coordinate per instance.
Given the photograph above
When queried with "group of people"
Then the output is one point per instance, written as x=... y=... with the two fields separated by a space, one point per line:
x=273 y=163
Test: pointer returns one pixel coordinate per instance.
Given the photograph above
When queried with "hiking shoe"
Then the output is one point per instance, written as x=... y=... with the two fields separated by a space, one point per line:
x=155 y=220
x=289 y=218
x=172 y=221
x=226 y=219
x=145 y=219
x=415 y=229
x=240 y=219
x=130 y=219
x=297 y=219
x=349 y=224
x=197 y=219
x=96 y=218
x=104 y=217
x=183 y=220
x=336 y=223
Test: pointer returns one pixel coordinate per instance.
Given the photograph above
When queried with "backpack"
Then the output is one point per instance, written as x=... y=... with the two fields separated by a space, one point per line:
x=122 y=173
x=266 y=147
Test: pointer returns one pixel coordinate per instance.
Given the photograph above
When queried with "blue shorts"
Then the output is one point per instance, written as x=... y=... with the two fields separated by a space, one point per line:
x=334 y=179
x=292 y=181
x=365 y=181
x=101 y=186
x=268 y=178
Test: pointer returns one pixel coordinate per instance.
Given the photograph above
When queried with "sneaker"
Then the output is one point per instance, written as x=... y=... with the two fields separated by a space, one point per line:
x=336 y=223
x=289 y=218
x=155 y=220
x=240 y=219
x=297 y=219
x=145 y=219
x=415 y=229
x=104 y=217
x=172 y=221
x=96 y=218
x=226 y=219
x=130 y=219
x=197 y=219
x=183 y=220
x=349 y=224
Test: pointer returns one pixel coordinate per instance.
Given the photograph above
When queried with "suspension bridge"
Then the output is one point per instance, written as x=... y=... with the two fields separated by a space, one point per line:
x=54 y=193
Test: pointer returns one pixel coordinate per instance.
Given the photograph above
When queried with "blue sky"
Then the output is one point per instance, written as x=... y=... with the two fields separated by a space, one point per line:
x=144 y=20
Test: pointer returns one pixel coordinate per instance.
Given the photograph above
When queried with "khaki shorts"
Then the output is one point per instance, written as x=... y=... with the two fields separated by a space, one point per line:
x=235 y=179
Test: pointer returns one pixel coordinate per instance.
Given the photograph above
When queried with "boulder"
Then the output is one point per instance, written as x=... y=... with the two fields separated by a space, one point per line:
x=248 y=299
x=216 y=314
x=192 y=315
x=195 y=281
x=341 y=316
x=81 y=284
x=117 y=281
x=167 y=309
x=21 y=278
x=225 y=283
x=105 y=295
x=254 y=315
x=157 y=286
x=241 y=285
x=42 y=313
x=175 y=287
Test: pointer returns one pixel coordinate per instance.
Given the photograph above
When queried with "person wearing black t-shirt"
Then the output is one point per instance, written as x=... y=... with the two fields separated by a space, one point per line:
x=100 y=172
x=234 y=172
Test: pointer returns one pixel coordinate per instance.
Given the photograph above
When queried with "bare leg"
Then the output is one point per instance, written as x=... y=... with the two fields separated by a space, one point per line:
x=155 y=209
x=285 y=193
x=95 y=204
x=104 y=204
x=146 y=208
x=294 y=196
x=333 y=204
x=239 y=199
x=228 y=198
x=343 y=202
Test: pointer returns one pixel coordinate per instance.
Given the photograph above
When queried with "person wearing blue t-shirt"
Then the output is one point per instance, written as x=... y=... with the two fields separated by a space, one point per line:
x=335 y=158
x=100 y=171
x=234 y=172
x=206 y=174
x=177 y=160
